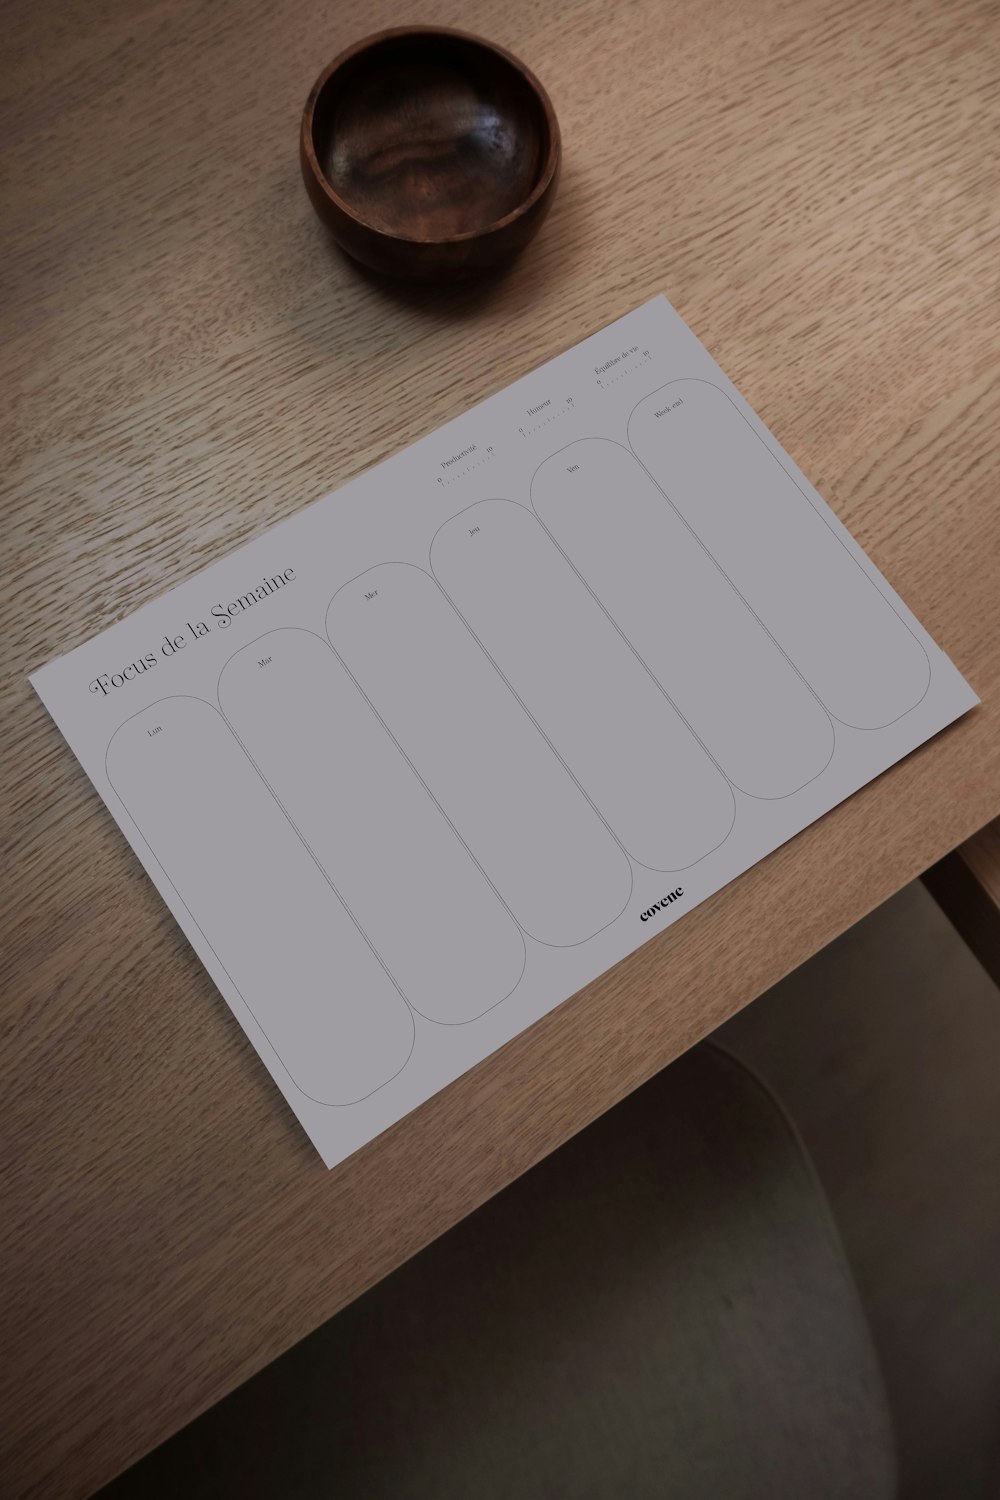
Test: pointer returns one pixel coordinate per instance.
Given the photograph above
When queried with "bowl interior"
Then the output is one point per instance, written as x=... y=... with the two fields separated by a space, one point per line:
x=426 y=136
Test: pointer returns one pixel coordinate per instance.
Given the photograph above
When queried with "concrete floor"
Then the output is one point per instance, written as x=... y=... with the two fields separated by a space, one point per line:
x=885 y=1049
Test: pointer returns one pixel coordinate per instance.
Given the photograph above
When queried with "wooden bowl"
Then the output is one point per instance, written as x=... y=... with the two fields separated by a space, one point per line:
x=429 y=153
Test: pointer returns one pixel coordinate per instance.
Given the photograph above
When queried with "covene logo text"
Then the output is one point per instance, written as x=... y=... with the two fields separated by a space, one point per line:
x=661 y=905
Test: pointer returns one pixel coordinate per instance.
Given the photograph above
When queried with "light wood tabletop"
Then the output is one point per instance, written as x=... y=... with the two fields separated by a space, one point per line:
x=186 y=360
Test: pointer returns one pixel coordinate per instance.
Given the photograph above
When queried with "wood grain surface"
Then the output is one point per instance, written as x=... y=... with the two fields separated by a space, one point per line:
x=186 y=360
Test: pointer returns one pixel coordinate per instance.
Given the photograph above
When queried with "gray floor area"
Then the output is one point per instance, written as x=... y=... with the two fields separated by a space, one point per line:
x=660 y=1310
x=885 y=1052
x=885 y=1049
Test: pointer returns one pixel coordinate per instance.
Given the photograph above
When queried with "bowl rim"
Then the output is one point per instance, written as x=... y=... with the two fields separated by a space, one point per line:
x=550 y=164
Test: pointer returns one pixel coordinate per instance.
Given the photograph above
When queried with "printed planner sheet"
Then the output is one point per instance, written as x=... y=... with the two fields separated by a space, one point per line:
x=418 y=763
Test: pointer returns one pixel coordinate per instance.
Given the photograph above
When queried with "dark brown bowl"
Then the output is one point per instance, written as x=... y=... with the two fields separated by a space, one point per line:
x=429 y=153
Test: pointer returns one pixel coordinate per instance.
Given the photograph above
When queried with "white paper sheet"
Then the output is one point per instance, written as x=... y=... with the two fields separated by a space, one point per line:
x=417 y=764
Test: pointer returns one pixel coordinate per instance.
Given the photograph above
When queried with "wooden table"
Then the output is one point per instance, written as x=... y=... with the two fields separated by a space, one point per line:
x=815 y=186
